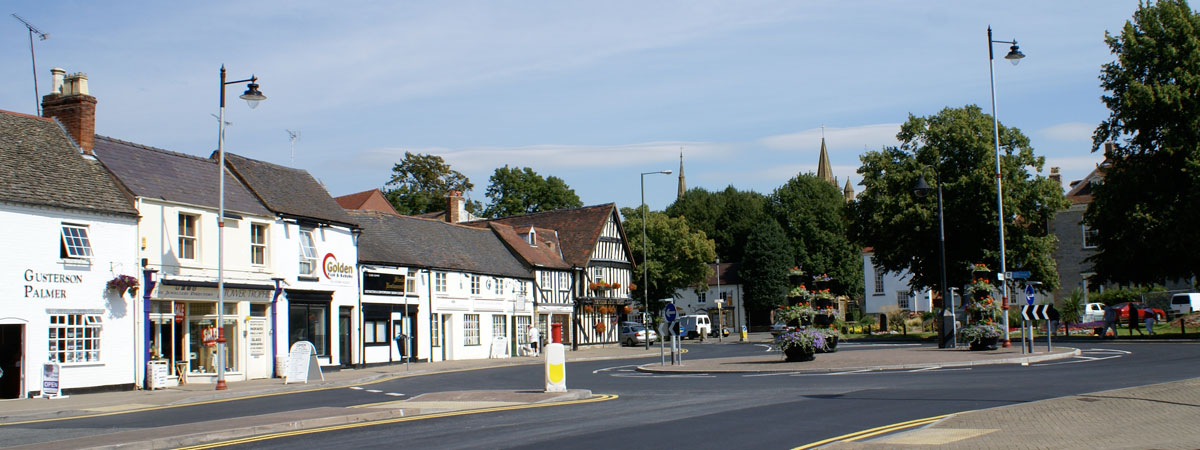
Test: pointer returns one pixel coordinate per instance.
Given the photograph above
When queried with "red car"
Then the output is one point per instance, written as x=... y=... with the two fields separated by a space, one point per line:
x=1123 y=310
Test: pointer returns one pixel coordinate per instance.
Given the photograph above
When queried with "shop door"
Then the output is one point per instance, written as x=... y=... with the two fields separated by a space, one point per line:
x=344 y=336
x=447 y=346
x=12 y=359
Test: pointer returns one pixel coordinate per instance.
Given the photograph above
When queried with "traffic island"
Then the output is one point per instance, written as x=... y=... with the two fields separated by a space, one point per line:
x=863 y=359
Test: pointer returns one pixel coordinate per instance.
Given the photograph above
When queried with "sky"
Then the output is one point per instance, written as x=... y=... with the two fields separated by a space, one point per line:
x=595 y=93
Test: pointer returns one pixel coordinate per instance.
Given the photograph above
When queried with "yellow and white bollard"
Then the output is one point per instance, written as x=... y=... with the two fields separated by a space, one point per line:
x=556 y=368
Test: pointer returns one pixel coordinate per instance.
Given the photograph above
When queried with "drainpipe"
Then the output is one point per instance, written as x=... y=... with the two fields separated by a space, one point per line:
x=275 y=326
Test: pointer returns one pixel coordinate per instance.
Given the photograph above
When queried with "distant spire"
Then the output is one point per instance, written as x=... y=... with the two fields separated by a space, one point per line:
x=682 y=183
x=848 y=191
x=824 y=169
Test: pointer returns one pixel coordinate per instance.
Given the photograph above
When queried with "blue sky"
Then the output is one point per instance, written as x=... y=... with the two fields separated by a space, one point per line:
x=591 y=92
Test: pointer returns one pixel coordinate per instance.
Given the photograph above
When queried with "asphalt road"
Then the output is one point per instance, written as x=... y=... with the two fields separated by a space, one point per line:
x=681 y=411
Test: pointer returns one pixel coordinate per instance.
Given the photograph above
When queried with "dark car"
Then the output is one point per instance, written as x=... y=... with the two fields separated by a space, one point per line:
x=1123 y=311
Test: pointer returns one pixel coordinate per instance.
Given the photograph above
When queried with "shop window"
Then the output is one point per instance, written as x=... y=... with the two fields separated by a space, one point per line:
x=187 y=236
x=309 y=322
x=375 y=332
x=435 y=330
x=258 y=309
x=74 y=243
x=75 y=338
x=470 y=329
x=258 y=243
x=499 y=326
x=308 y=252
x=202 y=337
x=522 y=324
x=439 y=282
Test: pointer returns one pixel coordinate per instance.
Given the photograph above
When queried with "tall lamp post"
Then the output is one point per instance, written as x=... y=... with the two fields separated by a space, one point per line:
x=252 y=96
x=1014 y=56
x=945 y=340
x=645 y=251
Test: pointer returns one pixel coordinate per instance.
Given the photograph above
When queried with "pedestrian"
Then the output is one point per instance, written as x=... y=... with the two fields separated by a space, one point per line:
x=1110 y=323
x=534 y=339
x=1149 y=315
x=1133 y=320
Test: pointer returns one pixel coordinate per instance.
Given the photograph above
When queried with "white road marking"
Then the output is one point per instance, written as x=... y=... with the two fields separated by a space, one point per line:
x=356 y=388
x=374 y=391
x=394 y=394
x=926 y=368
x=606 y=369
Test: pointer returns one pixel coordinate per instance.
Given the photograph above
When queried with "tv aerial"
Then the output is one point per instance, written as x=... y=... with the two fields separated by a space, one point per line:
x=37 y=98
x=293 y=136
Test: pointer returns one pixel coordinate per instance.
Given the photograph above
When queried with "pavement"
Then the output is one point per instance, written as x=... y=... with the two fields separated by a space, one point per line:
x=1166 y=412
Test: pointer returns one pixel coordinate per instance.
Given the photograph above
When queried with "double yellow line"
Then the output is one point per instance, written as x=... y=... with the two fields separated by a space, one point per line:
x=874 y=431
x=264 y=437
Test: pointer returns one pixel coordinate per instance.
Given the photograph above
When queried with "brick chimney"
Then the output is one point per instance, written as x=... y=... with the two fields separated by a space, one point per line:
x=1055 y=175
x=454 y=206
x=69 y=102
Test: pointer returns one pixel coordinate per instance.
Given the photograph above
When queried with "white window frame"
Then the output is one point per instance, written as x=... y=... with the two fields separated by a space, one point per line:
x=75 y=242
x=470 y=330
x=904 y=300
x=499 y=287
x=435 y=330
x=375 y=332
x=1085 y=231
x=701 y=297
x=879 y=288
x=439 y=282
x=75 y=338
x=499 y=326
x=258 y=244
x=188 y=243
x=308 y=252
x=475 y=279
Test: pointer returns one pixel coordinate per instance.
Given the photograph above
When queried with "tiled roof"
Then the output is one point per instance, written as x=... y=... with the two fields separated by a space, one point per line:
x=578 y=228
x=404 y=240
x=176 y=177
x=287 y=191
x=545 y=254
x=1081 y=191
x=729 y=274
x=40 y=165
x=372 y=200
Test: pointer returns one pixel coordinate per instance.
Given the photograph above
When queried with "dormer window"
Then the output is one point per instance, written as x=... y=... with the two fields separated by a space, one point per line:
x=74 y=242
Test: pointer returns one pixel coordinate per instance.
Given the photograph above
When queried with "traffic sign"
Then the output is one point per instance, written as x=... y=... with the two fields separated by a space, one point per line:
x=1029 y=294
x=1019 y=275
x=670 y=312
x=1038 y=312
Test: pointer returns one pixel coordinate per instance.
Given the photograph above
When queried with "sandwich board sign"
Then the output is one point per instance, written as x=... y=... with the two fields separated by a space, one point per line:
x=302 y=364
x=50 y=372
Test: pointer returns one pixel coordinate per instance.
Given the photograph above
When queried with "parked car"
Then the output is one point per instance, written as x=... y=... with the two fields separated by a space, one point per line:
x=633 y=333
x=1185 y=303
x=1093 y=312
x=1123 y=311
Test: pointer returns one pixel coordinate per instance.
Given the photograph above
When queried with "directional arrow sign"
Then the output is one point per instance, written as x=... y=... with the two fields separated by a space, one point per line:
x=1038 y=312
x=670 y=312
x=1029 y=294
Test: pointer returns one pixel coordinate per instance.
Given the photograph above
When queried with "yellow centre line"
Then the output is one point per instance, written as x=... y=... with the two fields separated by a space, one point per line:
x=592 y=399
x=874 y=431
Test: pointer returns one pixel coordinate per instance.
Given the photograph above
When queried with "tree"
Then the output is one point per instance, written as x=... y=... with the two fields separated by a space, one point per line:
x=727 y=217
x=1144 y=212
x=519 y=191
x=420 y=182
x=765 y=270
x=678 y=257
x=956 y=146
x=811 y=212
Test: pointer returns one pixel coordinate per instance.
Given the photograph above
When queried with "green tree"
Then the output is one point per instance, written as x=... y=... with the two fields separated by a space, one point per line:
x=764 y=270
x=811 y=212
x=1145 y=212
x=420 y=182
x=519 y=191
x=678 y=257
x=956 y=146
x=727 y=217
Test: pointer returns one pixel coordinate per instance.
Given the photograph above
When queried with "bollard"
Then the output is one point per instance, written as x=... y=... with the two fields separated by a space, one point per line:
x=556 y=333
x=556 y=368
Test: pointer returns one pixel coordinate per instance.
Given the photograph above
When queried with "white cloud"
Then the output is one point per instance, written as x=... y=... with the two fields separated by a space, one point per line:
x=1069 y=131
x=871 y=136
x=555 y=157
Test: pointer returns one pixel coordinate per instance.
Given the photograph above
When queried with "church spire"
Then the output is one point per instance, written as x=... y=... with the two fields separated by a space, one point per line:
x=682 y=183
x=824 y=169
x=848 y=191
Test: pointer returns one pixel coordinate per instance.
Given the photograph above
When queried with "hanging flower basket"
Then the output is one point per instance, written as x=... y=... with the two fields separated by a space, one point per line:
x=587 y=308
x=600 y=327
x=628 y=309
x=123 y=283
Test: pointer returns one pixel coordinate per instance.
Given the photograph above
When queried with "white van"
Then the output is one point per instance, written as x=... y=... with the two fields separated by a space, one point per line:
x=696 y=325
x=1185 y=303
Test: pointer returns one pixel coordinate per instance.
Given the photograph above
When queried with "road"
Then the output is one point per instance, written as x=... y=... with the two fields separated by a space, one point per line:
x=680 y=411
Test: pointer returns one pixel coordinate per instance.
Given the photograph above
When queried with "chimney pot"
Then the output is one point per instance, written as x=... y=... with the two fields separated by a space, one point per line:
x=57 y=74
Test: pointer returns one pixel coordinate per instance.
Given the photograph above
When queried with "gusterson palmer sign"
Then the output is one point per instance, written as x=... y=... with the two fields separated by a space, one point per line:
x=48 y=284
x=335 y=271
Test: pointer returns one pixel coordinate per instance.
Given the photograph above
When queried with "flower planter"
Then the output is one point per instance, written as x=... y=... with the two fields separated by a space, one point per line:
x=830 y=345
x=797 y=354
x=823 y=303
x=987 y=343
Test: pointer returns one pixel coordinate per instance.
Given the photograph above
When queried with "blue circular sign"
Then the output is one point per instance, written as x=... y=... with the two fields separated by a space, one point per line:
x=1029 y=294
x=670 y=312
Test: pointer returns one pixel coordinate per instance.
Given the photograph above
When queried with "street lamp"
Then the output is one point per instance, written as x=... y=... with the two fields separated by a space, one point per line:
x=921 y=189
x=645 y=251
x=252 y=96
x=1014 y=56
